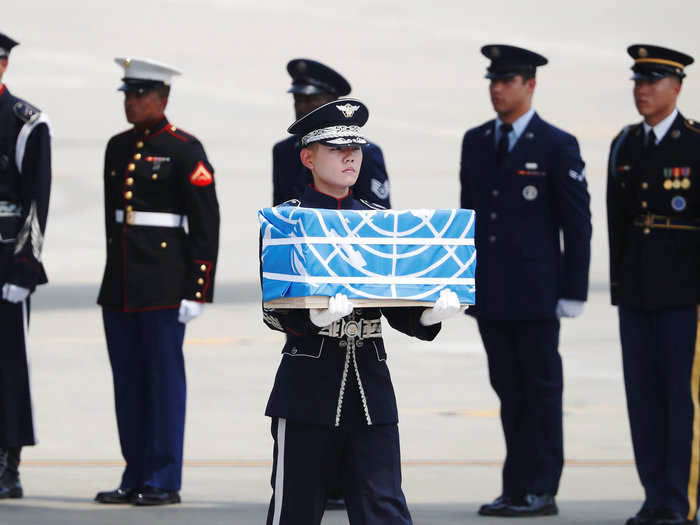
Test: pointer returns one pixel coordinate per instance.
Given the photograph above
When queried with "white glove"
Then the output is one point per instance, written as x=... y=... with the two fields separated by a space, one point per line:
x=14 y=294
x=338 y=307
x=569 y=308
x=446 y=306
x=189 y=310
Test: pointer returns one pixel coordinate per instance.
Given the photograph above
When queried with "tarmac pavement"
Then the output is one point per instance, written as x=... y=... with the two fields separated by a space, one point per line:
x=452 y=445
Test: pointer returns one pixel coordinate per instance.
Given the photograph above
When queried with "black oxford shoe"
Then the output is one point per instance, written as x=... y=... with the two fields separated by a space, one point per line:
x=643 y=517
x=671 y=517
x=532 y=505
x=115 y=496
x=495 y=508
x=149 y=496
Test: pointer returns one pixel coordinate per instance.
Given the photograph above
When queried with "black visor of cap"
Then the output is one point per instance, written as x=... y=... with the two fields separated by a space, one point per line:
x=139 y=85
x=6 y=45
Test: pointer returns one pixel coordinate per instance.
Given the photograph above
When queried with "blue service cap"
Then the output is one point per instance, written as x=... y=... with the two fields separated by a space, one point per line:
x=655 y=62
x=508 y=61
x=6 y=45
x=336 y=123
x=310 y=77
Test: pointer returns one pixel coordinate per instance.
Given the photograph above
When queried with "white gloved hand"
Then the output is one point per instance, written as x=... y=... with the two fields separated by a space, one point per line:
x=14 y=294
x=569 y=308
x=446 y=306
x=189 y=310
x=338 y=307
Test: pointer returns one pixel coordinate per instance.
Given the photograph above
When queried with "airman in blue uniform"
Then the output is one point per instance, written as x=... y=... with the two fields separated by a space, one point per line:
x=653 y=200
x=25 y=185
x=332 y=405
x=314 y=84
x=526 y=181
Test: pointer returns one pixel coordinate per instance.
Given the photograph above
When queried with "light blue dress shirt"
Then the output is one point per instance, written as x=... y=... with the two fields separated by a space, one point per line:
x=518 y=128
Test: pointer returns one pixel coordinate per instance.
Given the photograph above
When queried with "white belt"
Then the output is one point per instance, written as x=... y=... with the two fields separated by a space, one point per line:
x=152 y=218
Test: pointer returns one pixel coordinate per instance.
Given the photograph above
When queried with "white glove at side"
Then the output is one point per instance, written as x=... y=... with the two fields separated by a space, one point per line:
x=446 y=306
x=569 y=308
x=189 y=310
x=338 y=307
x=14 y=294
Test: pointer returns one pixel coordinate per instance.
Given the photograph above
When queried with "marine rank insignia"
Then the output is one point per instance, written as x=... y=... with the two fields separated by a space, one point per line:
x=201 y=176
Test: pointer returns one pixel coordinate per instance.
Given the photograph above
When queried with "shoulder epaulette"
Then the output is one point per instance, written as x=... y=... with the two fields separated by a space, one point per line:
x=692 y=125
x=291 y=202
x=26 y=112
x=372 y=205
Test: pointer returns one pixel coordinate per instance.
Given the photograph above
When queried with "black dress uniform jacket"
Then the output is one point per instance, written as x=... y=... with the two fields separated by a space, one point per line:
x=523 y=206
x=24 y=191
x=653 y=200
x=322 y=369
x=162 y=169
x=290 y=177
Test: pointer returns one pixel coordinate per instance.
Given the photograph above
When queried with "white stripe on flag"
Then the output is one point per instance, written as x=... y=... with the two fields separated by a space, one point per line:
x=389 y=241
x=309 y=279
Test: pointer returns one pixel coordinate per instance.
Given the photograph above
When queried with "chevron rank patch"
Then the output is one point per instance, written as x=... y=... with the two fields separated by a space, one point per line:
x=201 y=176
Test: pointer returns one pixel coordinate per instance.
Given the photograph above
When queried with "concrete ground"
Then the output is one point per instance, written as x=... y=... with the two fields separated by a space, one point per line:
x=452 y=443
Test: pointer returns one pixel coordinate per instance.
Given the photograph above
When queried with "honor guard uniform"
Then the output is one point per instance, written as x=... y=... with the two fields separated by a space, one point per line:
x=332 y=405
x=314 y=84
x=525 y=179
x=653 y=199
x=162 y=228
x=25 y=184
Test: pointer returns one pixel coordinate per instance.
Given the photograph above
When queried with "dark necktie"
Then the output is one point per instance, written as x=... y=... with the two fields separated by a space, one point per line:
x=503 y=142
x=650 y=141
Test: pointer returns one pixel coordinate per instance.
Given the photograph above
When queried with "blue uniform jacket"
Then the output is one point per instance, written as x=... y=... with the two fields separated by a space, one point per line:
x=290 y=178
x=328 y=378
x=533 y=223
x=25 y=185
x=653 y=200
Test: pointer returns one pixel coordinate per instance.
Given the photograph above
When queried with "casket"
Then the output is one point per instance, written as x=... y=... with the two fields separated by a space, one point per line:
x=375 y=257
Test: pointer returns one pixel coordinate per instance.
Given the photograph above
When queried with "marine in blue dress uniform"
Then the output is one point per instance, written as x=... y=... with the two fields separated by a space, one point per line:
x=653 y=200
x=332 y=406
x=314 y=84
x=526 y=181
x=25 y=184
x=162 y=229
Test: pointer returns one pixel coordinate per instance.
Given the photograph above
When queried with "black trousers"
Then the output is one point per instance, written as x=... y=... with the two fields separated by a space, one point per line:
x=308 y=457
x=16 y=425
x=526 y=372
x=662 y=377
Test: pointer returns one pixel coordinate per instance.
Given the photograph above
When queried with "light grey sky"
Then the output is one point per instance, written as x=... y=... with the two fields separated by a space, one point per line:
x=415 y=63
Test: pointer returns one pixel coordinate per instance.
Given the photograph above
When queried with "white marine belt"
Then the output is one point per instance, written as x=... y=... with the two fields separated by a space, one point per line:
x=152 y=218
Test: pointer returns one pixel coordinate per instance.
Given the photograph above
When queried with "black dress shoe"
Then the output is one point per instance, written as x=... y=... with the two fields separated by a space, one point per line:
x=671 y=517
x=643 y=517
x=532 y=505
x=115 y=496
x=335 y=504
x=149 y=496
x=495 y=508
x=10 y=489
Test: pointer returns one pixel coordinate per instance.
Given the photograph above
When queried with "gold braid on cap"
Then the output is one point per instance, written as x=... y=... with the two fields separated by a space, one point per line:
x=659 y=61
x=336 y=135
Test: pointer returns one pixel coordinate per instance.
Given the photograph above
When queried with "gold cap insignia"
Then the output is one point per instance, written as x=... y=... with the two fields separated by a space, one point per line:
x=643 y=52
x=348 y=110
x=127 y=62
